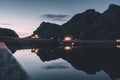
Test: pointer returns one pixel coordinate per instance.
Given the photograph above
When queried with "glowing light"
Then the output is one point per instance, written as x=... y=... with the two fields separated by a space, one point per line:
x=68 y=38
x=35 y=50
x=32 y=37
x=118 y=40
x=35 y=36
x=118 y=46
x=72 y=44
x=68 y=48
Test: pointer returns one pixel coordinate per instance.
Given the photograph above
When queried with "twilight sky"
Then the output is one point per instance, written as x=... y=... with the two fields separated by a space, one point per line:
x=24 y=16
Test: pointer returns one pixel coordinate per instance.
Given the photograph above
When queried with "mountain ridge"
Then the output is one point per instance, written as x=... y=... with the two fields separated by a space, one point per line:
x=89 y=25
x=7 y=32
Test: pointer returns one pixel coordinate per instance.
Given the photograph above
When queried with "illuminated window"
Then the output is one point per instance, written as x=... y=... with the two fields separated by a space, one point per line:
x=35 y=36
x=118 y=40
x=67 y=48
x=118 y=46
x=35 y=50
x=68 y=38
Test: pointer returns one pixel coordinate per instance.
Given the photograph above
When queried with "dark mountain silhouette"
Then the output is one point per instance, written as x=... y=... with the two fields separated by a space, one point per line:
x=48 y=30
x=107 y=26
x=89 y=25
x=80 y=23
x=5 y=34
x=8 y=32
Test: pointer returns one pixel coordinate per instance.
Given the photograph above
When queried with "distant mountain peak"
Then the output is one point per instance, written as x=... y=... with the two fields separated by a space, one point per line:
x=90 y=11
x=88 y=25
x=44 y=23
x=113 y=6
x=113 y=9
x=7 y=32
x=47 y=23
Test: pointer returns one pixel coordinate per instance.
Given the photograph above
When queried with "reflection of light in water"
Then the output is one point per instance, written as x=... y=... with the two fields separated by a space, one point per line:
x=118 y=40
x=68 y=38
x=35 y=36
x=72 y=44
x=35 y=50
x=68 y=48
x=118 y=46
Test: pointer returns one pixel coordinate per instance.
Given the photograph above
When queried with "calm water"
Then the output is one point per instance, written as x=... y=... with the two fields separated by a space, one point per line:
x=69 y=65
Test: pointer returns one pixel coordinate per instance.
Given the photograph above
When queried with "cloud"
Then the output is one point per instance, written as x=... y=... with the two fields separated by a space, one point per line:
x=6 y=24
x=55 y=17
x=60 y=65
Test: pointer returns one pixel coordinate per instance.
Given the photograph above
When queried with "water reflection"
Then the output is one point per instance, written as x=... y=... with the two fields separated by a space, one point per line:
x=88 y=59
x=68 y=48
x=118 y=46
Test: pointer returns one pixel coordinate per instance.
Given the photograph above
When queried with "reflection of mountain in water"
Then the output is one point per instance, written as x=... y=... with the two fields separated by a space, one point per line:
x=89 y=25
x=88 y=59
